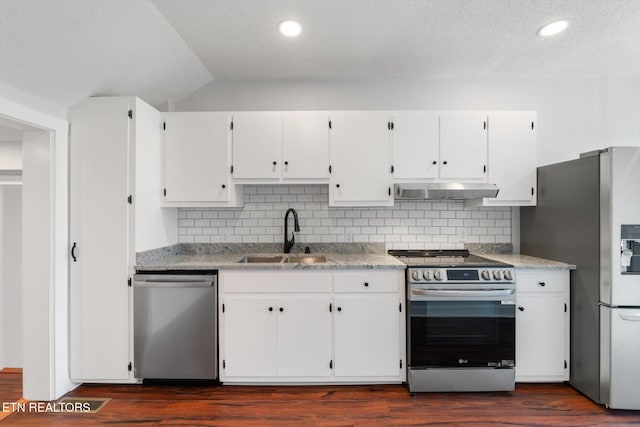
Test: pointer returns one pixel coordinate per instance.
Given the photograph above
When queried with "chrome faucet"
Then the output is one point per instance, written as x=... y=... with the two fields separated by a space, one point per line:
x=296 y=227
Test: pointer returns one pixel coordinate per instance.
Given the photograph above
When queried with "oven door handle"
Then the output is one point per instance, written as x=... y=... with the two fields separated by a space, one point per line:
x=463 y=292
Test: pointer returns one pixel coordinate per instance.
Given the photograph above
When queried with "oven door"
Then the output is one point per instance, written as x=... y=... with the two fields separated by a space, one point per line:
x=461 y=328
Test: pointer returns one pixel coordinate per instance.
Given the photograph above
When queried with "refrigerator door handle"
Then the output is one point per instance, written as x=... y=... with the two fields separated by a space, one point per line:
x=632 y=317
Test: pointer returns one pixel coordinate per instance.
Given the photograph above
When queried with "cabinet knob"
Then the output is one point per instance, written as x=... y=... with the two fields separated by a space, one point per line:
x=224 y=186
x=270 y=308
x=281 y=309
x=275 y=163
x=542 y=284
x=337 y=185
x=366 y=284
x=444 y=163
x=434 y=163
x=521 y=308
x=339 y=308
x=286 y=163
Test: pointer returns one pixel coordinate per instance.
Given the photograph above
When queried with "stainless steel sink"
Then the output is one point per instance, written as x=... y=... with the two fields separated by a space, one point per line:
x=276 y=259
x=249 y=259
x=305 y=259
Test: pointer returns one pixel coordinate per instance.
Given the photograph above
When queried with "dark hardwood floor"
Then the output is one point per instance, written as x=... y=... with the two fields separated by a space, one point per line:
x=529 y=405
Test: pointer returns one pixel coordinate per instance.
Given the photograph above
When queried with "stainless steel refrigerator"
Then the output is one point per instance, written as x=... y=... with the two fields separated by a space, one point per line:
x=588 y=214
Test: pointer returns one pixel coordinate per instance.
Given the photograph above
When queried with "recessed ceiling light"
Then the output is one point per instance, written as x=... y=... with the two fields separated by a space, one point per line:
x=553 y=28
x=290 y=28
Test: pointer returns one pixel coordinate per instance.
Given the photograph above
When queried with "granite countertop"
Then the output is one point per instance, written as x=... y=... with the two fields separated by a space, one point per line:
x=525 y=261
x=230 y=261
x=339 y=256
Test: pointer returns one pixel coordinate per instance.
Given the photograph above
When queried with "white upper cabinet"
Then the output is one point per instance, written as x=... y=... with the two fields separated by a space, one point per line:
x=256 y=146
x=196 y=159
x=415 y=141
x=360 y=167
x=463 y=147
x=513 y=158
x=275 y=147
x=305 y=147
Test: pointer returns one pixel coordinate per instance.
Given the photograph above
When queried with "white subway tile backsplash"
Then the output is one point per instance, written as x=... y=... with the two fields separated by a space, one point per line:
x=407 y=225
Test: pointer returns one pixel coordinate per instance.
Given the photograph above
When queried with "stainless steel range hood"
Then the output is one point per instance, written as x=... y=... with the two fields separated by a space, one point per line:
x=448 y=191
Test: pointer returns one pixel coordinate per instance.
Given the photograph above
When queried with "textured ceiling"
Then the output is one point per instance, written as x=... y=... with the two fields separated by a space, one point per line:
x=352 y=39
x=67 y=50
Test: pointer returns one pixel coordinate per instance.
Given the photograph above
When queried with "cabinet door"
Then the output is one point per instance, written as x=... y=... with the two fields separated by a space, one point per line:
x=305 y=146
x=415 y=139
x=196 y=157
x=100 y=227
x=463 y=146
x=250 y=335
x=359 y=151
x=367 y=334
x=512 y=157
x=540 y=335
x=304 y=335
x=256 y=146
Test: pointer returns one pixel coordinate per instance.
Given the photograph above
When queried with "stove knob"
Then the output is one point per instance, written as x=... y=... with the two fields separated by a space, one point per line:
x=496 y=275
x=507 y=275
x=414 y=275
x=485 y=275
x=436 y=275
x=426 y=275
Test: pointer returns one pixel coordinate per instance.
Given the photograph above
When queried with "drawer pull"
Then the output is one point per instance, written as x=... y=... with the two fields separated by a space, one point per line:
x=366 y=284
x=542 y=284
x=521 y=308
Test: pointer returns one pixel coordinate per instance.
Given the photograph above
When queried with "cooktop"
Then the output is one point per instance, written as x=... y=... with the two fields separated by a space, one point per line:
x=454 y=258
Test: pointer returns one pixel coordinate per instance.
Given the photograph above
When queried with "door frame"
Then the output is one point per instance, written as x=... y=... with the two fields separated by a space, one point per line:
x=45 y=334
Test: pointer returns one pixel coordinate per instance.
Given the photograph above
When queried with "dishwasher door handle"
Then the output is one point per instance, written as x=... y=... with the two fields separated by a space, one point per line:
x=169 y=284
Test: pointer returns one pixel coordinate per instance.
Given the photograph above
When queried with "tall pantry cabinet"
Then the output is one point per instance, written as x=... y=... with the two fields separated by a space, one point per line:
x=107 y=134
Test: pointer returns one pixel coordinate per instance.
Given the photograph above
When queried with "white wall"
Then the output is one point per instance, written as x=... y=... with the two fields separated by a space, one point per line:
x=574 y=115
x=10 y=155
x=37 y=241
x=11 y=276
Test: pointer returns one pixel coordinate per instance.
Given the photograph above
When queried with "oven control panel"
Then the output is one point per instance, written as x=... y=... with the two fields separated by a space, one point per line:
x=503 y=274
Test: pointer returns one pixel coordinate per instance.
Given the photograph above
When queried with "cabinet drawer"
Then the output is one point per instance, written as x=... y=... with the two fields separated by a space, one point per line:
x=267 y=282
x=542 y=281
x=359 y=281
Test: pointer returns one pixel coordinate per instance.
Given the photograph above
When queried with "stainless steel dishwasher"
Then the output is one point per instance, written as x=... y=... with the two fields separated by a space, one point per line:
x=175 y=325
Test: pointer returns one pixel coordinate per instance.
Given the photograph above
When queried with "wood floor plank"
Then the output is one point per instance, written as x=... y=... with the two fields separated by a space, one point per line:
x=376 y=405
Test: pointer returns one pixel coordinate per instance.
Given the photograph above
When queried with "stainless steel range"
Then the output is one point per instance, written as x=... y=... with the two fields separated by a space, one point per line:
x=460 y=321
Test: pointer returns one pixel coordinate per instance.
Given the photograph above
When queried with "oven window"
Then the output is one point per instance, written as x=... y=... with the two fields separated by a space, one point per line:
x=461 y=333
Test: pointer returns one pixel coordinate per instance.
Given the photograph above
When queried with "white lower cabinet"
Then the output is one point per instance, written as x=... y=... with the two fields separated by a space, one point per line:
x=250 y=329
x=277 y=335
x=316 y=326
x=542 y=326
x=366 y=326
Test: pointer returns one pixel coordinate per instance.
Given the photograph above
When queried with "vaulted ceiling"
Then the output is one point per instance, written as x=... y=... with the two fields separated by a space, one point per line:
x=66 y=50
